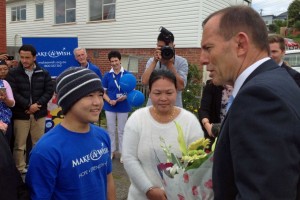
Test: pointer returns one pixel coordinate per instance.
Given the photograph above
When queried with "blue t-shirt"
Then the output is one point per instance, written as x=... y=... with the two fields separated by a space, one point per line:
x=110 y=81
x=67 y=165
x=94 y=68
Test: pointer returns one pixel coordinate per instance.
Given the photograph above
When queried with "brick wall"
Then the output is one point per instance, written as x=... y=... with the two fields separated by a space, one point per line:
x=2 y=26
x=99 y=57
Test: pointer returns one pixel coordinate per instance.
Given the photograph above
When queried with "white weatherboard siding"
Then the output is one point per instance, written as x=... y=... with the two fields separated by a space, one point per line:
x=136 y=24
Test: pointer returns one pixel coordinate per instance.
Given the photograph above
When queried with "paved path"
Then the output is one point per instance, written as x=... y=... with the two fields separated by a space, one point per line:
x=121 y=179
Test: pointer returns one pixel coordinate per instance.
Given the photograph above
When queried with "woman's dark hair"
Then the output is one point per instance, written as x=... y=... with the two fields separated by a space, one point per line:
x=160 y=74
x=114 y=54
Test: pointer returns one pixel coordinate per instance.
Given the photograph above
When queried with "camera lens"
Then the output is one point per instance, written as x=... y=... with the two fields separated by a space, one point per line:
x=167 y=52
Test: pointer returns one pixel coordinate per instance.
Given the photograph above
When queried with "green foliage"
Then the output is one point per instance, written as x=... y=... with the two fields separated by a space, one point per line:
x=273 y=28
x=279 y=23
x=191 y=95
x=293 y=13
x=297 y=25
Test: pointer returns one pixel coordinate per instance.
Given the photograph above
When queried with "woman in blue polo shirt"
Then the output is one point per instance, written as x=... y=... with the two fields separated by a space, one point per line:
x=116 y=105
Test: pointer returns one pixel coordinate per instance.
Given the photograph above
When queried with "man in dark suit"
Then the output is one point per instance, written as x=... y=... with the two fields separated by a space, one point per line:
x=277 y=52
x=257 y=155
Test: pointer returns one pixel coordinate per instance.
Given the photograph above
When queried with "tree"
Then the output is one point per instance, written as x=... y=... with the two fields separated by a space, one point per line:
x=293 y=13
x=273 y=28
x=279 y=23
x=297 y=25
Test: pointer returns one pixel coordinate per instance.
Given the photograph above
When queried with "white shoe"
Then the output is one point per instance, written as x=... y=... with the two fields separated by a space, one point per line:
x=121 y=160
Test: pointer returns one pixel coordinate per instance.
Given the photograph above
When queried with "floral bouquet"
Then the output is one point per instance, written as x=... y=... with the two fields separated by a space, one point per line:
x=188 y=177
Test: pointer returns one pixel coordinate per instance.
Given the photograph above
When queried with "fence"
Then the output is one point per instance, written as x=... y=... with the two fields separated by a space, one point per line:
x=142 y=88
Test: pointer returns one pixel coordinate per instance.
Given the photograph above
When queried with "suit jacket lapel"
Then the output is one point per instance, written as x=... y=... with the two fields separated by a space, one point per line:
x=266 y=66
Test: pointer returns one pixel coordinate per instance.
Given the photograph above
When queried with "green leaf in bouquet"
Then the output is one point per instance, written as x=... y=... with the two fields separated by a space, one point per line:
x=166 y=148
x=197 y=163
x=214 y=145
x=176 y=161
x=181 y=141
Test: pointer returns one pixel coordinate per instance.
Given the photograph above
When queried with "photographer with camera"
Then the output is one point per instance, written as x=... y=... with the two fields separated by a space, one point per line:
x=164 y=57
x=10 y=60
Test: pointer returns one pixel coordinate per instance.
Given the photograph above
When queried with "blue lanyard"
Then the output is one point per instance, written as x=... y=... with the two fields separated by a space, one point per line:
x=115 y=80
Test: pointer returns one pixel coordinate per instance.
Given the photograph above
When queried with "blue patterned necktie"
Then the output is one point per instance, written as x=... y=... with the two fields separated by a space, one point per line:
x=230 y=100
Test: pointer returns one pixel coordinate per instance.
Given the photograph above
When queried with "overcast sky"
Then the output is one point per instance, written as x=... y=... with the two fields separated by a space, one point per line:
x=271 y=7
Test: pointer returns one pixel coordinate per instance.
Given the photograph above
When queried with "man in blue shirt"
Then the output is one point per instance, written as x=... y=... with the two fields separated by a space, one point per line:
x=81 y=56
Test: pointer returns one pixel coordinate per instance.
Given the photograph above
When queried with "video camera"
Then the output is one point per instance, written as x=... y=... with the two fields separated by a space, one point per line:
x=167 y=52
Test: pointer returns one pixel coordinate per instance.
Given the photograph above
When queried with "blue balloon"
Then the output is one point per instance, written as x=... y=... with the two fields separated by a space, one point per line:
x=135 y=98
x=127 y=82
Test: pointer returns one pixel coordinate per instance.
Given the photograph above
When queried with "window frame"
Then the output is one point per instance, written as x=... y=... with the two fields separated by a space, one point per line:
x=66 y=11
x=17 y=10
x=36 y=9
x=130 y=63
x=103 y=5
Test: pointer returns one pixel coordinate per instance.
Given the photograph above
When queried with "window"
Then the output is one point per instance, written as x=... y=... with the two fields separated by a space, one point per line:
x=65 y=11
x=18 y=13
x=102 y=10
x=130 y=63
x=39 y=11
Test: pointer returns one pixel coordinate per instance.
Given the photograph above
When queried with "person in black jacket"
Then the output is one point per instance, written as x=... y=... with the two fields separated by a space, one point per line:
x=277 y=52
x=32 y=88
x=12 y=186
x=213 y=108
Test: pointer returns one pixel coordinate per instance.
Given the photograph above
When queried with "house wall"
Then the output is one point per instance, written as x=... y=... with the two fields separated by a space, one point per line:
x=268 y=19
x=99 y=57
x=133 y=32
x=136 y=24
x=2 y=27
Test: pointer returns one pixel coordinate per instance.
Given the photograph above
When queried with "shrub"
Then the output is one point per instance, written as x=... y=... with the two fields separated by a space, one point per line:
x=191 y=96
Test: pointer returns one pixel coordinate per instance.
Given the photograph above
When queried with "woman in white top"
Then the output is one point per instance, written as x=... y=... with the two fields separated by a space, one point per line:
x=141 y=143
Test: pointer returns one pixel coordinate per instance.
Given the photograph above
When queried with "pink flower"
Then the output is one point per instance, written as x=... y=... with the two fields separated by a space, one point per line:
x=208 y=184
x=195 y=190
x=186 y=177
x=163 y=166
x=180 y=197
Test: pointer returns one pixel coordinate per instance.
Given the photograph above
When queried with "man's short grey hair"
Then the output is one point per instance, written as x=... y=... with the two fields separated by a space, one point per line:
x=77 y=49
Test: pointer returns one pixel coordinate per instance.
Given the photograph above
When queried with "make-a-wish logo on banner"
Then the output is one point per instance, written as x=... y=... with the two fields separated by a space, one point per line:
x=55 y=54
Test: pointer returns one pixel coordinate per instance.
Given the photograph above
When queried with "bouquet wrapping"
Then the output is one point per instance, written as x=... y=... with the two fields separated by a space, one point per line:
x=188 y=177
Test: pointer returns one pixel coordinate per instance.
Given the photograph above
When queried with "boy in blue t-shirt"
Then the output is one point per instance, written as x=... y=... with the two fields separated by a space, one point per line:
x=72 y=161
